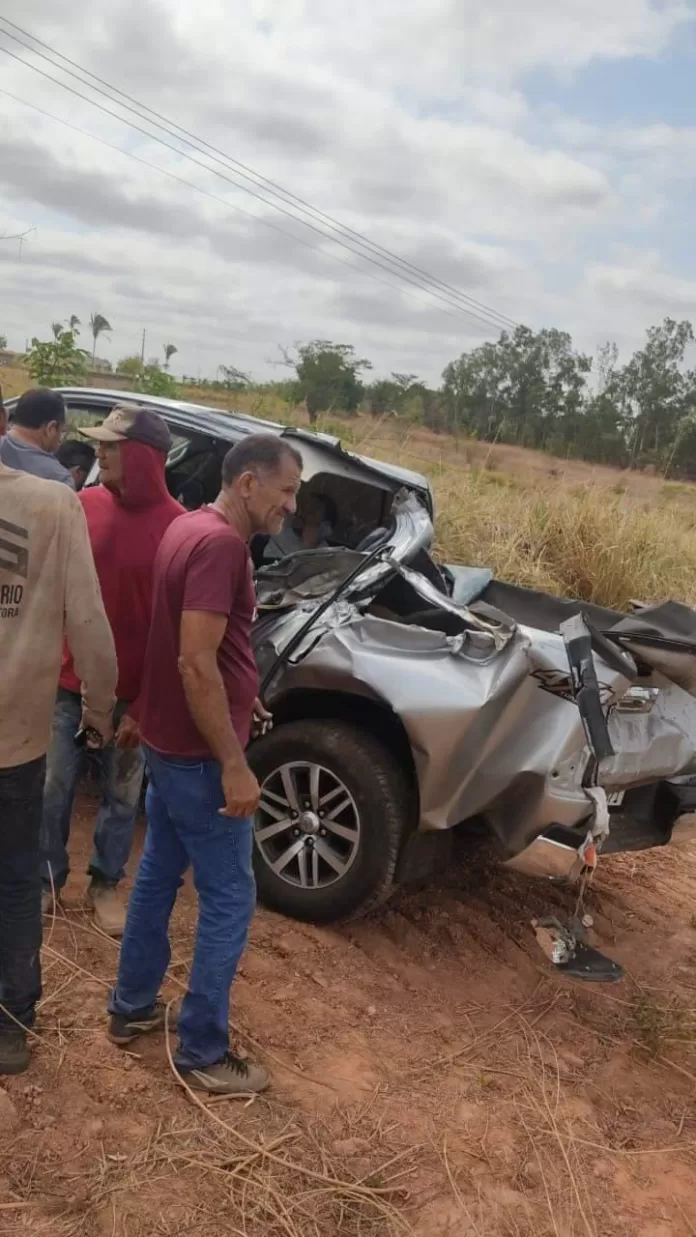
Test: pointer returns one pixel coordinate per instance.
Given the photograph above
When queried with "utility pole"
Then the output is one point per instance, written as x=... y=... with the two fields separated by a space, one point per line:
x=18 y=236
x=142 y=350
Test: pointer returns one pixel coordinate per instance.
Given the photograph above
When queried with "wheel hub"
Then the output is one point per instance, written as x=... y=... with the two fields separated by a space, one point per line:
x=308 y=822
x=307 y=827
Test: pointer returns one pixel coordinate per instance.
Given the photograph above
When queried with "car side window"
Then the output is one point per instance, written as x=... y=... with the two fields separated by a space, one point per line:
x=194 y=470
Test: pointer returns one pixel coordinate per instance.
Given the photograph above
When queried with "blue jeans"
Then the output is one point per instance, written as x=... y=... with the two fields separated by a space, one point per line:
x=21 y=788
x=121 y=779
x=184 y=827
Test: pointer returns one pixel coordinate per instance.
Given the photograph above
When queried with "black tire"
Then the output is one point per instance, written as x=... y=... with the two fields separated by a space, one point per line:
x=380 y=793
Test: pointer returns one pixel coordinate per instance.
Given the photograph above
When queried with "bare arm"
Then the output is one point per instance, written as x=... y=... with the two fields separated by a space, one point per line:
x=88 y=631
x=201 y=633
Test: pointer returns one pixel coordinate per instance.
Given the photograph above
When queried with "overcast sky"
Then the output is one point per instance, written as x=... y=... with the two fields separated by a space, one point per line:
x=539 y=156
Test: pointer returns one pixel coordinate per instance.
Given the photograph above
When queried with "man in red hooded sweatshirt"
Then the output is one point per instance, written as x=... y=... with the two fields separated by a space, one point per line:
x=127 y=516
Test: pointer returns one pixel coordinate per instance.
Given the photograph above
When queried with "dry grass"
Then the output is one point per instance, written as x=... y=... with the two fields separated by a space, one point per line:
x=495 y=1130
x=587 y=544
x=570 y=530
x=13 y=380
x=245 y=1168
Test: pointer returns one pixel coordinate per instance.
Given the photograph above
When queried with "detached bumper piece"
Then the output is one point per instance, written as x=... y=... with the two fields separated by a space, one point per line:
x=569 y=952
x=560 y=853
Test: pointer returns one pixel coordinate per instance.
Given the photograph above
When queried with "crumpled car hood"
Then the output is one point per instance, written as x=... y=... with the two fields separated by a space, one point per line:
x=486 y=705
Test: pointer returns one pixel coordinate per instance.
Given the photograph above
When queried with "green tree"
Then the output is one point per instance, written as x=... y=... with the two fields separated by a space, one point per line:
x=327 y=377
x=56 y=361
x=233 y=379
x=382 y=397
x=98 y=325
x=520 y=389
x=156 y=381
x=3 y=341
x=473 y=391
x=129 y=365
x=656 y=392
x=169 y=351
x=596 y=430
x=150 y=378
x=73 y=323
x=391 y=394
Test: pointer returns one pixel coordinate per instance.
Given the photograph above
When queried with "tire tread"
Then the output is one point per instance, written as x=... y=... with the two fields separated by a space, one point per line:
x=359 y=749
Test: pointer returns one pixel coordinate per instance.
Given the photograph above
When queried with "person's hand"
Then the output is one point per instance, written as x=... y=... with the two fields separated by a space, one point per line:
x=241 y=791
x=128 y=733
x=102 y=723
x=261 y=720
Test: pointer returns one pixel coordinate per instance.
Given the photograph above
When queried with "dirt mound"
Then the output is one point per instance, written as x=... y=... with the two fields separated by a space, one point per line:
x=432 y=1077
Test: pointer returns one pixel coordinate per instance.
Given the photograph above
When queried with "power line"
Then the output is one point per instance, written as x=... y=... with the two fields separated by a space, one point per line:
x=398 y=267
x=223 y=201
x=250 y=173
x=153 y=137
x=17 y=236
x=229 y=180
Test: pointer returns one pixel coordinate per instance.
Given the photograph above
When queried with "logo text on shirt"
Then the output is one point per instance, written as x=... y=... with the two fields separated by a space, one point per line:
x=14 y=557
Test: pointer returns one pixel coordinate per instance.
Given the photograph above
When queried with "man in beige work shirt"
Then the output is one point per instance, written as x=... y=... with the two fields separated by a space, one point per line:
x=48 y=586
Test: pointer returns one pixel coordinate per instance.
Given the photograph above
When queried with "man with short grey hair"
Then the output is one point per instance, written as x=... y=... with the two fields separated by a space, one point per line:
x=197 y=707
x=35 y=434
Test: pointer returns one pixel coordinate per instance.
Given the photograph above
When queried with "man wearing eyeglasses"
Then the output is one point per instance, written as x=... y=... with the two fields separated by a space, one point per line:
x=35 y=434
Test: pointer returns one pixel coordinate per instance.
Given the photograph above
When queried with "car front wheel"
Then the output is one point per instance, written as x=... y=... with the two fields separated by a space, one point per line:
x=333 y=813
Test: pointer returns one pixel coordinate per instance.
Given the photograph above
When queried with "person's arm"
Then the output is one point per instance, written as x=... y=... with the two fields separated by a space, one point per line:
x=87 y=629
x=200 y=638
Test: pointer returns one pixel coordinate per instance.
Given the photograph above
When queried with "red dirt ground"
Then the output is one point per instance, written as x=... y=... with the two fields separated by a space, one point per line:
x=432 y=1076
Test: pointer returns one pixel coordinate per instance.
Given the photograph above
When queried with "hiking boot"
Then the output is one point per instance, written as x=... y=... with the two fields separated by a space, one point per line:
x=109 y=911
x=14 y=1052
x=123 y=1028
x=231 y=1076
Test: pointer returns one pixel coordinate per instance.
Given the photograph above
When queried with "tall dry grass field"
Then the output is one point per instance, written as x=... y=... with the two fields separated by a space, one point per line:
x=563 y=526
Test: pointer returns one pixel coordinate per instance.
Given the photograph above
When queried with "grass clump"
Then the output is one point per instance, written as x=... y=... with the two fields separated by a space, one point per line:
x=587 y=543
x=661 y=1026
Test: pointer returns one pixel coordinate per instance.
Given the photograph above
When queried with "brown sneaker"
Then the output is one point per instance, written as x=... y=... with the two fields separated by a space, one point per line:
x=123 y=1029
x=109 y=911
x=231 y=1076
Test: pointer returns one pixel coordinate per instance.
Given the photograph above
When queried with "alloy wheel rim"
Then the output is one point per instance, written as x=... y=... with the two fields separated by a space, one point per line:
x=307 y=827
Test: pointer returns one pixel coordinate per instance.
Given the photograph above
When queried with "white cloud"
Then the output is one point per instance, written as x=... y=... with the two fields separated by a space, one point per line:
x=435 y=46
x=642 y=285
x=410 y=125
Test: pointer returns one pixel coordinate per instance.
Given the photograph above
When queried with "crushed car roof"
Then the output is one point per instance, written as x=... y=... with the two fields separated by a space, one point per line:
x=228 y=425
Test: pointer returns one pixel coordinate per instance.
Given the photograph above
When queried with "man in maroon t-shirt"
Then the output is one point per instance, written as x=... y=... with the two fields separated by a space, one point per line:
x=197 y=701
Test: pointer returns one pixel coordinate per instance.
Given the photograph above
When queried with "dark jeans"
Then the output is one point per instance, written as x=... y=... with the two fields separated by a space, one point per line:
x=121 y=779
x=184 y=827
x=21 y=791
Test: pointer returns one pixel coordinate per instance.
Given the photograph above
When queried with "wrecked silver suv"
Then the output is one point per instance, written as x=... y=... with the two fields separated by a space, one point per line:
x=411 y=697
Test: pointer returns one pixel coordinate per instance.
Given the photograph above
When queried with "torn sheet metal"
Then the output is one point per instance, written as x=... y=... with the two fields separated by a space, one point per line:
x=655 y=744
x=488 y=706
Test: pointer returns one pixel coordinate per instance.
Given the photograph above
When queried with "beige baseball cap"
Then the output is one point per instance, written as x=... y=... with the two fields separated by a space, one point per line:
x=132 y=423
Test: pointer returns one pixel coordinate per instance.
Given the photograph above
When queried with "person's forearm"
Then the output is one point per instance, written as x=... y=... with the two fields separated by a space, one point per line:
x=207 y=702
x=87 y=628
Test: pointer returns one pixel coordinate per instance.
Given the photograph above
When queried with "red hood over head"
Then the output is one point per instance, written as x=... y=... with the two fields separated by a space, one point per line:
x=125 y=529
x=143 y=476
